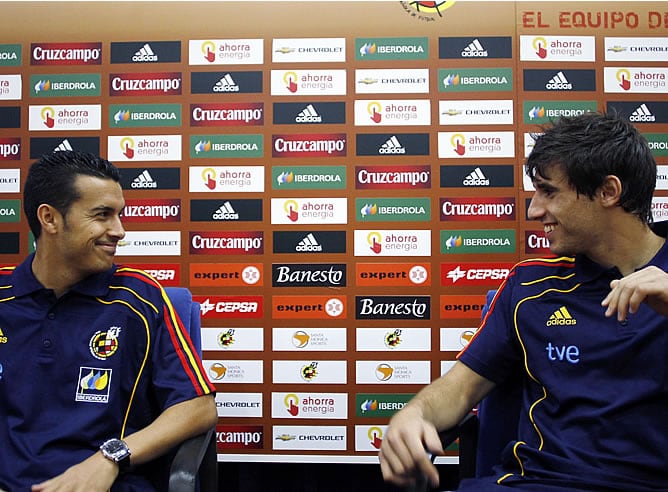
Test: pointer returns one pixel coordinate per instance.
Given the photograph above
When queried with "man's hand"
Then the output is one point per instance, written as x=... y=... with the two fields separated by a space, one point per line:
x=403 y=453
x=649 y=285
x=94 y=474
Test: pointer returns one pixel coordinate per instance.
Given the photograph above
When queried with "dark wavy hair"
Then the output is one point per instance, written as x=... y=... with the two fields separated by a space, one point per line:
x=51 y=181
x=590 y=147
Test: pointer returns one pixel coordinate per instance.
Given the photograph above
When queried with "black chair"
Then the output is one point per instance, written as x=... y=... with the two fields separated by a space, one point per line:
x=194 y=466
x=484 y=433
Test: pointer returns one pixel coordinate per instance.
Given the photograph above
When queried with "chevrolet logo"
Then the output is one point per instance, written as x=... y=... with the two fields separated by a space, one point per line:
x=285 y=437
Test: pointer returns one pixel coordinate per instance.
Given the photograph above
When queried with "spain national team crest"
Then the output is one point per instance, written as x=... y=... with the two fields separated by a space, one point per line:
x=103 y=344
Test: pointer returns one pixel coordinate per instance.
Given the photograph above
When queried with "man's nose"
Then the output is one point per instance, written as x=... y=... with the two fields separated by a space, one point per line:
x=535 y=210
x=117 y=229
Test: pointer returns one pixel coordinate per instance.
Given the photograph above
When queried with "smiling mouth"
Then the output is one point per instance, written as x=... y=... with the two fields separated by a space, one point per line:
x=109 y=247
x=548 y=228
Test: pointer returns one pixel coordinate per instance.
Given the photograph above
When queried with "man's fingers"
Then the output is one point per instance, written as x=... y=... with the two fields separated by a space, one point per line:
x=393 y=469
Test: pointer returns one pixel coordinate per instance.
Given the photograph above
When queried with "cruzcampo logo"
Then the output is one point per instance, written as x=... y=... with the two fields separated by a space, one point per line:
x=393 y=209
x=369 y=49
x=478 y=241
x=10 y=210
x=225 y=146
x=144 y=115
x=10 y=55
x=479 y=79
x=308 y=177
x=379 y=405
x=542 y=112
x=658 y=143
x=65 y=85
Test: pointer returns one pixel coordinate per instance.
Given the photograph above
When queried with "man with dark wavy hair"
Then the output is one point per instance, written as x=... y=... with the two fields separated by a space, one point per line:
x=98 y=377
x=585 y=333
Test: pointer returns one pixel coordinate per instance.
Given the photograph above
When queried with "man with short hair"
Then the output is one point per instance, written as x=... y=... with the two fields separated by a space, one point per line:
x=586 y=331
x=98 y=377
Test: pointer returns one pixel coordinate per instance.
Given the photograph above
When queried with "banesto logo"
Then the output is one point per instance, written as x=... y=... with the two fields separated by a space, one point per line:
x=393 y=307
x=308 y=307
x=309 y=275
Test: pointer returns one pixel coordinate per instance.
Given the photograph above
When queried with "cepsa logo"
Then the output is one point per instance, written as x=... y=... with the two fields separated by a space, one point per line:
x=10 y=149
x=154 y=210
x=393 y=274
x=239 y=437
x=230 y=306
x=474 y=273
x=66 y=54
x=226 y=274
x=168 y=274
x=227 y=243
x=309 y=145
x=392 y=177
x=473 y=209
x=536 y=242
x=227 y=114
x=145 y=84
x=308 y=307
x=462 y=306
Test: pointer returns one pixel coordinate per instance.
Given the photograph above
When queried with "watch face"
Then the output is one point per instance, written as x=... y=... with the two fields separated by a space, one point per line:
x=114 y=446
x=116 y=449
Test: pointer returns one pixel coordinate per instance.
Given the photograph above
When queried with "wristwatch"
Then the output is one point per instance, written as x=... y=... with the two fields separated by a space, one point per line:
x=117 y=451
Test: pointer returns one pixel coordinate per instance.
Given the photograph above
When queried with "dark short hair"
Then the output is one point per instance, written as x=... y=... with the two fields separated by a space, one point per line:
x=51 y=181
x=590 y=147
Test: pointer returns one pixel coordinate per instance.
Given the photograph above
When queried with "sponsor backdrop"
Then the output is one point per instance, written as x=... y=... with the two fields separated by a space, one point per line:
x=338 y=183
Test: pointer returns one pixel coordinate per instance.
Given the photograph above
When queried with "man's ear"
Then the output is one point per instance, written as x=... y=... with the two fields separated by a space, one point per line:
x=610 y=192
x=49 y=218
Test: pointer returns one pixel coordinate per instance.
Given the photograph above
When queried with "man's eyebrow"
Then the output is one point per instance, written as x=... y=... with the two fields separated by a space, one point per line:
x=103 y=208
x=543 y=185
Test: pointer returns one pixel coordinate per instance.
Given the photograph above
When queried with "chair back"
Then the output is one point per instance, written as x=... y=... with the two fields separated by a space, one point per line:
x=498 y=415
x=194 y=467
x=189 y=312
